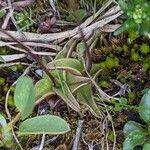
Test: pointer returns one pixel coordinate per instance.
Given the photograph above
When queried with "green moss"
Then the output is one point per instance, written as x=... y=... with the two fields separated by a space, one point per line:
x=125 y=48
x=119 y=49
x=10 y=101
x=111 y=135
x=146 y=63
x=131 y=96
x=20 y=67
x=135 y=56
x=6 y=88
x=144 y=48
x=135 y=46
x=104 y=84
x=3 y=50
x=12 y=89
x=111 y=62
x=2 y=98
x=2 y=81
x=2 y=13
x=103 y=65
x=132 y=35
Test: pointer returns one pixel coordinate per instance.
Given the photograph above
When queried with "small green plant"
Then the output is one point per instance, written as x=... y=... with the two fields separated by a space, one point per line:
x=24 y=100
x=109 y=63
x=24 y=19
x=138 y=16
x=135 y=133
x=2 y=81
x=146 y=64
x=134 y=55
x=2 y=13
x=104 y=84
x=79 y=13
x=144 y=48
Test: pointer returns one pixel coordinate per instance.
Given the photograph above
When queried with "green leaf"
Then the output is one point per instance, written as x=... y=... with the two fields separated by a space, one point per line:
x=74 y=81
x=66 y=62
x=2 y=13
x=6 y=136
x=65 y=93
x=24 y=96
x=146 y=146
x=131 y=126
x=81 y=49
x=42 y=87
x=135 y=138
x=46 y=124
x=84 y=96
x=126 y=25
x=123 y=4
x=95 y=68
x=7 y=139
x=145 y=28
x=144 y=107
x=2 y=121
x=66 y=48
x=81 y=14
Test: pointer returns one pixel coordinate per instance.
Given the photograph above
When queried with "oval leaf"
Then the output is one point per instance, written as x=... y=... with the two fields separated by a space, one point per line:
x=65 y=93
x=66 y=62
x=135 y=138
x=24 y=96
x=2 y=121
x=146 y=146
x=84 y=95
x=42 y=87
x=144 y=107
x=75 y=81
x=64 y=51
x=46 y=124
x=131 y=126
x=126 y=25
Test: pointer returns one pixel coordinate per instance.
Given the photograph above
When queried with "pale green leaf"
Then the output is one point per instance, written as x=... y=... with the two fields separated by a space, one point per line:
x=2 y=121
x=74 y=81
x=66 y=62
x=135 y=138
x=84 y=96
x=7 y=139
x=144 y=107
x=42 y=87
x=65 y=93
x=125 y=26
x=131 y=126
x=64 y=51
x=146 y=146
x=7 y=136
x=46 y=124
x=24 y=96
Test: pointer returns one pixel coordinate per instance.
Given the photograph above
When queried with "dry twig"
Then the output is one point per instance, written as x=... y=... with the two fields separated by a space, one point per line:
x=77 y=136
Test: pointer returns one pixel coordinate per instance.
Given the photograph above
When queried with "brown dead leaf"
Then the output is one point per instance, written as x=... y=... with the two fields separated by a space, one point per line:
x=46 y=25
x=54 y=101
